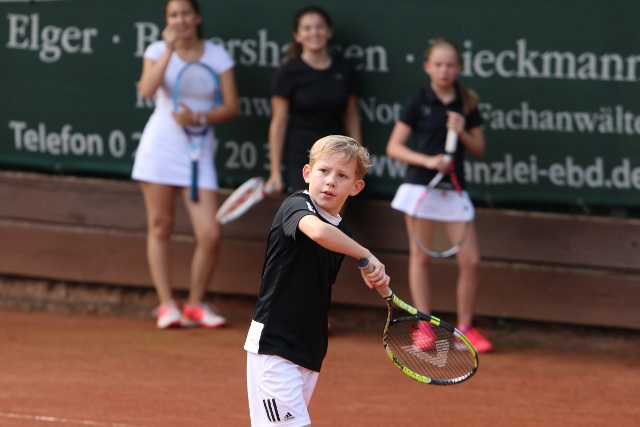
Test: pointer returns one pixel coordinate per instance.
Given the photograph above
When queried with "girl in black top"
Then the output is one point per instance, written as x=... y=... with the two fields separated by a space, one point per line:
x=313 y=95
x=444 y=104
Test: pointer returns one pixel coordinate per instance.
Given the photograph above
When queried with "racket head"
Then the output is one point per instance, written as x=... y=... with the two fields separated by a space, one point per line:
x=436 y=238
x=241 y=200
x=424 y=347
x=430 y=350
x=437 y=232
x=198 y=87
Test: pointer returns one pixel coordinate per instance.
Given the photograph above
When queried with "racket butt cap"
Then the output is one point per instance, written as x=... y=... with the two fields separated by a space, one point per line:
x=363 y=264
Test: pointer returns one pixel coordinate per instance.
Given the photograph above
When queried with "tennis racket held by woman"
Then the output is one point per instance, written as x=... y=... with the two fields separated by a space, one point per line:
x=198 y=88
x=241 y=200
x=423 y=347
x=438 y=236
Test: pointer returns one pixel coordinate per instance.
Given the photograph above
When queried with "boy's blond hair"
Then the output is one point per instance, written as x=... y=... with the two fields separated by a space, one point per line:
x=342 y=144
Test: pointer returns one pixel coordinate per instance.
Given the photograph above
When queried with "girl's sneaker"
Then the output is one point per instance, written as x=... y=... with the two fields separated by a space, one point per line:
x=479 y=342
x=424 y=337
x=203 y=315
x=167 y=315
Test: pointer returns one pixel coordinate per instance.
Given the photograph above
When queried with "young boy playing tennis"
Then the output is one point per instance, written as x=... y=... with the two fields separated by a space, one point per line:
x=288 y=337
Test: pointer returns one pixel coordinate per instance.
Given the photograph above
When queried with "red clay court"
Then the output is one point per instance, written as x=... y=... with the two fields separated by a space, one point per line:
x=119 y=371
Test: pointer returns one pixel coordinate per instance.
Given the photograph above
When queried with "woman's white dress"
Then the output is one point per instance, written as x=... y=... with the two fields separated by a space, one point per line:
x=163 y=155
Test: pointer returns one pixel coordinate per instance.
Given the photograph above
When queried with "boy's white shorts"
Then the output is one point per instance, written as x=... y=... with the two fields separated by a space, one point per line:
x=279 y=391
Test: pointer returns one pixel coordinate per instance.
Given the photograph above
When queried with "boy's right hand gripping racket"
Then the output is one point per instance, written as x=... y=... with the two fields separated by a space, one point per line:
x=435 y=237
x=424 y=347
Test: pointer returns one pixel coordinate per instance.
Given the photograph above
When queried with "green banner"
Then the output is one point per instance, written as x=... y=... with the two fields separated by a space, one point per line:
x=558 y=86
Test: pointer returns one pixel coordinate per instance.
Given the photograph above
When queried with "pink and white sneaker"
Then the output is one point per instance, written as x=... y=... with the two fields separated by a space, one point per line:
x=479 y=342
x=204 y=315
x=167 y=315
x=424 y=337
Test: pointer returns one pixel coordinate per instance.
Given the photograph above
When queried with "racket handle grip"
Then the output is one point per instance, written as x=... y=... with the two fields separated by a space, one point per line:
x=363 y=264
x=451 y=142
x=194 y=181
x=384 y=292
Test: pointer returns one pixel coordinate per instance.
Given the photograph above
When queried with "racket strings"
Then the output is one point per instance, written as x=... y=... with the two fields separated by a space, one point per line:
x=198 y=88
x=245 y=196
x=438 y=236
x=430 y=351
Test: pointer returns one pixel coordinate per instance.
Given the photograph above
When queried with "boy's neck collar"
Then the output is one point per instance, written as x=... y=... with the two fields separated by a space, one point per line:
x=335 y=220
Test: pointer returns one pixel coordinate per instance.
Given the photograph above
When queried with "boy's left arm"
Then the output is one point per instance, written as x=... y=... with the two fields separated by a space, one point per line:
x=331 y=238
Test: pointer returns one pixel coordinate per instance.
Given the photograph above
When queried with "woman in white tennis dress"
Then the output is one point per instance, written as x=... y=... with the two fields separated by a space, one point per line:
x=163 y=163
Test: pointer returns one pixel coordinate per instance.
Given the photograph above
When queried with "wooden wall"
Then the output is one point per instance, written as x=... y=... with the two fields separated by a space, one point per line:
x=544 y=267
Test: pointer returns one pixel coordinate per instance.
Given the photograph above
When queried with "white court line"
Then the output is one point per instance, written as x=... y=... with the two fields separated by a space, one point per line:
x=47 y=419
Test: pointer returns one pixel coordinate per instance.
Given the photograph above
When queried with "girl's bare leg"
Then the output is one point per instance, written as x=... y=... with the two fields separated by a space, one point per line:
x=469 y=275
x=159 y=202
x=419 y=283
x=207 y=233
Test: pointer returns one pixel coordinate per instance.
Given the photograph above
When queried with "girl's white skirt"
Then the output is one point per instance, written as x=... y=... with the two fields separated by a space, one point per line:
x=439 y=204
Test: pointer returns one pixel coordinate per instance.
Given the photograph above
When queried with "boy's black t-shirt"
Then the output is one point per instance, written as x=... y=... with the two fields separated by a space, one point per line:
x=427 y=117
x=295 y=294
